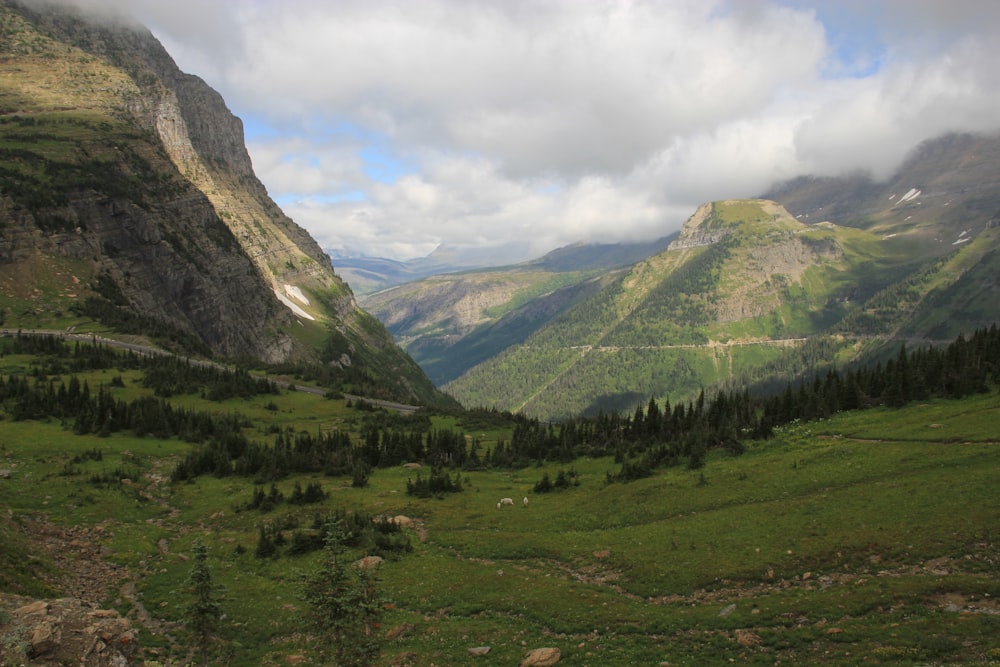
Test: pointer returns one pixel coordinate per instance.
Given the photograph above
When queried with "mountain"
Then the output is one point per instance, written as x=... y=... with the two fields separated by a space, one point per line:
x=751 y=290
x=946 y=199
x=129 y=204
x=738 y=286
x=368 y=275
x=449 y=323
x=818 y=271
x=951 y=180
x=372 y=274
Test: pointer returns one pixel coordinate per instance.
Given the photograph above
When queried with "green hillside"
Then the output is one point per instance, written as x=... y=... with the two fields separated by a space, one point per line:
x=742 y=288
x=825 y=271
x=867 y=536
x=451 y=322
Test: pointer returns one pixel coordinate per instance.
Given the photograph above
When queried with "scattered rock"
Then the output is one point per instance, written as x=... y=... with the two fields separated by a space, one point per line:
x=45 y=638
x=403 y=659
x=368 y=562
x=400 y=630
x=541 y=657
x=479 y=650
x=726 y=611
x=36 y=608
x=68 y=631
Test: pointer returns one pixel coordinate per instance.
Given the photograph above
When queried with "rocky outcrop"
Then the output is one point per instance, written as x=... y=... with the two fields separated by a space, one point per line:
x=165 y=260
x=65 y=631
x=762 y=273
x=145 y=195
x=542 y=657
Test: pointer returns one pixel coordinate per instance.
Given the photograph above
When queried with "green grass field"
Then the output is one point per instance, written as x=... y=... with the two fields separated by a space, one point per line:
x=870 y=537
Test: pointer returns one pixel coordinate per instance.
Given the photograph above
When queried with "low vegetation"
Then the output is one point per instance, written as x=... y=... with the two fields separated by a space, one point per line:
x=847 y=535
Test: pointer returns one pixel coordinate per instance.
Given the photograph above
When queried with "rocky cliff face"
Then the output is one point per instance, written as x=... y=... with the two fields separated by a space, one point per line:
x=128 y=178
x=87 y=193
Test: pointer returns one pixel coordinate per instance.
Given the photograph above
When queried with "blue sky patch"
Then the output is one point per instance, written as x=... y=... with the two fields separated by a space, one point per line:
x=324 y=198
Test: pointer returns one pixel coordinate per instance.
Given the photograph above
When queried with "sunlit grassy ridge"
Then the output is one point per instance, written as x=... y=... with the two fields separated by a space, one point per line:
x=868 y=535
x=742 y=287
x=746 y=293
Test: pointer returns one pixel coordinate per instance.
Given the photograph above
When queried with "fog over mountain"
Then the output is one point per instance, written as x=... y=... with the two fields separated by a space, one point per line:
x=387 y=128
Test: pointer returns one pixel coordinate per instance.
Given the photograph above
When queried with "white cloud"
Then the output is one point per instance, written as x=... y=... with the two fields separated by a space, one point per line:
x=543 y=123
x=298 y=166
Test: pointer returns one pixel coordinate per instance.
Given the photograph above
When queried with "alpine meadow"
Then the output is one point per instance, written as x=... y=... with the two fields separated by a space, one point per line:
x=769 y=436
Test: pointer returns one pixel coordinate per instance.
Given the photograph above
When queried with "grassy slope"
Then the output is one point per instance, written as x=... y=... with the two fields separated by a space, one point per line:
x=453 y=321
x=871 y=535
x=715 y=314
x=657 y=332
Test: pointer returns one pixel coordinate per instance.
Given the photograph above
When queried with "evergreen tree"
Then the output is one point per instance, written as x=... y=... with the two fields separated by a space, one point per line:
x=265 y=545
x=544 y=485
x=203 y=612
x=346 y=603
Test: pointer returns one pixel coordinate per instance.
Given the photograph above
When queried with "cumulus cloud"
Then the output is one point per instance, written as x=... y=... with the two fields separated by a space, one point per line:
x=400 y=125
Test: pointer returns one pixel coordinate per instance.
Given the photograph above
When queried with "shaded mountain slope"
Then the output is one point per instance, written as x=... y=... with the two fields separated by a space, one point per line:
x=945 y=198
x=452 y=322
x=129 y=198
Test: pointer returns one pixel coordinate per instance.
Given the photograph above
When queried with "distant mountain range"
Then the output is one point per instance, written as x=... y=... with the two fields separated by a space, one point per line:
x=818 y=271
x=494 y=307
x=368 y=275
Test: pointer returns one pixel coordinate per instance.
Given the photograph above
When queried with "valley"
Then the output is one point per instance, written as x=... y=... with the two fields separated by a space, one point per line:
x=782 y=553
x=765 y=436
x=720 y=305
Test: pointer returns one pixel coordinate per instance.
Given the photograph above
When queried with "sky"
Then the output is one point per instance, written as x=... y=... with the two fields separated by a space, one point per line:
x=508 y=128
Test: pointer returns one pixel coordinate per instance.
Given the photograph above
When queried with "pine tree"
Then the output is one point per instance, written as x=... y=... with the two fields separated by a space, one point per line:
x=346 y=603
x=203 y=613
x=265 y=545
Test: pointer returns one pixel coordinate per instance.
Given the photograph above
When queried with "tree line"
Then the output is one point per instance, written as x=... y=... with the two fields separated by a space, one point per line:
x=652 y=436
x=655 y=436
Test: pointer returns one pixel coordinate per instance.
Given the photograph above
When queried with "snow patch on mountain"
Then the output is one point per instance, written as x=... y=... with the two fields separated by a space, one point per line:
x=294 y=307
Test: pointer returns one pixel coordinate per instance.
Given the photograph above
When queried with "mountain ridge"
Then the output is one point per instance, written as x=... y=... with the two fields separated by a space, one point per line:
x=130 y=202
x=749 y=285
x=452 y=321
x=370 y=275
x=821 y=271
